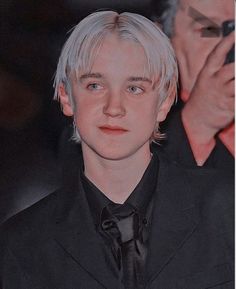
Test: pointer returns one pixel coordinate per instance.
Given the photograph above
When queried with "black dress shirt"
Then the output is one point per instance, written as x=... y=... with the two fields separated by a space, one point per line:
x=141 y=198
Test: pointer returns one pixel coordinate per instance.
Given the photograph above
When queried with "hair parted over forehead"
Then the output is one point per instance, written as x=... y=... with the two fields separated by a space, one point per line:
x=83 y=44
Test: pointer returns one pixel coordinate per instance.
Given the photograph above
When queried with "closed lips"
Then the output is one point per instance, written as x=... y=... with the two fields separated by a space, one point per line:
x=112 y=129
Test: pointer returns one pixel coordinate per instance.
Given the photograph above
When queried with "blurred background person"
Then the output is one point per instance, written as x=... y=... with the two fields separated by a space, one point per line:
x=201 y=131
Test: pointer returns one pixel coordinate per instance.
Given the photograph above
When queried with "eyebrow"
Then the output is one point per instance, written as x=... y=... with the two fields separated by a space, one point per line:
x=90 y=75
x=99 y=75
x=139 y=78
x=201 y=18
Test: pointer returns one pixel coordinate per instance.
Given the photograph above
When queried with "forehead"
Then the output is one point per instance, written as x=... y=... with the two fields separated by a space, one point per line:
x=114 y=44
x=122 y=54
x=117 y=56
x=215 y=9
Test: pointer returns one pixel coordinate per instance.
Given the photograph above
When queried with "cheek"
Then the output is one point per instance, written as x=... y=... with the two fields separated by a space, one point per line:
x=197 y=59
x=81 y=116
x=149 y=115
x=84 y=108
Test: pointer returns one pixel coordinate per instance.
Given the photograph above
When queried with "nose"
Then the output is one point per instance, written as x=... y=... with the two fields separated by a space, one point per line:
x=114 y=105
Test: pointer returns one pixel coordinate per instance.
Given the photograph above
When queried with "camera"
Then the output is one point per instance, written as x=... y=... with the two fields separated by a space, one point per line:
x=227 y=27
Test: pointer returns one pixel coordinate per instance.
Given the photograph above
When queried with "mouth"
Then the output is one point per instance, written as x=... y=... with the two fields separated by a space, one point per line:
x=114 y=130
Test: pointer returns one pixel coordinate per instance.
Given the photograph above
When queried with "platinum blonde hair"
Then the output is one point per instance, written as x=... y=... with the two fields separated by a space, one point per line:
x=82 y=46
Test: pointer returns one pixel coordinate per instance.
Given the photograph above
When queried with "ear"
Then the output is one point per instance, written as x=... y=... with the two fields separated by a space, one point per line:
x=165 y=107
x=65 y=101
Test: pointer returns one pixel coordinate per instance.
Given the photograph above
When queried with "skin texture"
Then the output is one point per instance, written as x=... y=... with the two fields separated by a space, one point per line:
x=116 y=110
x=207 y=83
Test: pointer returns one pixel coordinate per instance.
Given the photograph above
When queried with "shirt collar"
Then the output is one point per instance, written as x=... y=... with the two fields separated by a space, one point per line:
x=139 y=198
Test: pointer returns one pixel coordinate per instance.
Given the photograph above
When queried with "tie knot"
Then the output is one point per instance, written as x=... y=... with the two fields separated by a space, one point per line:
x=120 y=222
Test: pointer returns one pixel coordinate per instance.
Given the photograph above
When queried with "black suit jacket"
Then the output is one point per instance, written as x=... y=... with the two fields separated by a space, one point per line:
x=54 y=245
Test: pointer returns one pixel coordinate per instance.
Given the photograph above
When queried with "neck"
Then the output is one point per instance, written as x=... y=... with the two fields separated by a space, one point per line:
x=116 y=178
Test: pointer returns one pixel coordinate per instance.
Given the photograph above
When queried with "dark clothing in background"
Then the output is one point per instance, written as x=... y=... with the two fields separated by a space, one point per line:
x=178 y=149
x=29 y=169
x=54 y=243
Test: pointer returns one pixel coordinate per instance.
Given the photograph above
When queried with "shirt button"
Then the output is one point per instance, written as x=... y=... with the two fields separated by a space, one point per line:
x=145 y=222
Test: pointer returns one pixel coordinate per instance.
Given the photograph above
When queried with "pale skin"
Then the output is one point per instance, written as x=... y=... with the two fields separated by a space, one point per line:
x=209 y=104
x=116 y=110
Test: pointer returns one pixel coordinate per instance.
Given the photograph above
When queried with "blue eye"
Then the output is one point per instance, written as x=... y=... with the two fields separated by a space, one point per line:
x=94 y=86
x=135 y=90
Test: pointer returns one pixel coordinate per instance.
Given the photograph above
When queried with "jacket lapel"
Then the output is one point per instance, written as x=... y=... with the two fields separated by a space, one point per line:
x=77 y=236
x=174 y=219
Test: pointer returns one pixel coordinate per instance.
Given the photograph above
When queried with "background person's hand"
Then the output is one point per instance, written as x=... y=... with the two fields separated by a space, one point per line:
x=210 y=107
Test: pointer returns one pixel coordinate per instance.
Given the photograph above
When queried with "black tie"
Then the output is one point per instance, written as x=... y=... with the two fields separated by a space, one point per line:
x=124 y=227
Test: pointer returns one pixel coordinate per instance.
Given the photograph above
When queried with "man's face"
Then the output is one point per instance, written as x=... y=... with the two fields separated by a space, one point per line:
x=191 y=46
x=116 y=106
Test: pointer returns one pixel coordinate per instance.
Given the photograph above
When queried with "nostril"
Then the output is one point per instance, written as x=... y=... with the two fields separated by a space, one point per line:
x=114 y=110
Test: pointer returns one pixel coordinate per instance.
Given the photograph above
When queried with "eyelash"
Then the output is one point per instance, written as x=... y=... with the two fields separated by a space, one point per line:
x=141 y=90
x=90 y=86
x=138 y=90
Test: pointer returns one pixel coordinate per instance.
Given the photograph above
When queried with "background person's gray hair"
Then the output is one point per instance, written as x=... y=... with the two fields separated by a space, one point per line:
x=163 y=12
x=83 y=45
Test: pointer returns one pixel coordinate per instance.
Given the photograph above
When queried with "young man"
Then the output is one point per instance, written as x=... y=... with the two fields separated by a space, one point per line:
x=204 y=128
x=126 y=218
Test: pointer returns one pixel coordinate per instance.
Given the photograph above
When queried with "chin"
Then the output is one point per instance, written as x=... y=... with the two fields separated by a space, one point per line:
x=121 y=152
x=116 y=150
x=114 y=154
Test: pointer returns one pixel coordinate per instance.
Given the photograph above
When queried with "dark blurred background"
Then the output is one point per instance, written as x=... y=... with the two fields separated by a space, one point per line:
x=31 y=123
